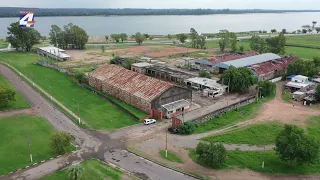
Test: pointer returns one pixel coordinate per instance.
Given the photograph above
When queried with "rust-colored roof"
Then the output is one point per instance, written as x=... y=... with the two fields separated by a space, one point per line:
x=266 y=67
x=134 y=83
x=231 y=56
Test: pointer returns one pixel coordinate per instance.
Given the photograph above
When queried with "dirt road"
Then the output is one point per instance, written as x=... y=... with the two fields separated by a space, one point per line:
x=92 y=144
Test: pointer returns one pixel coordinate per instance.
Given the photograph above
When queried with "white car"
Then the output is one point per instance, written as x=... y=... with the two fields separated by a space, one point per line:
x=149 y=121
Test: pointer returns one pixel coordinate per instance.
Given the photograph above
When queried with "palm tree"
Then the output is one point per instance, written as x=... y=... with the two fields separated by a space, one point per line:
x=75 y=172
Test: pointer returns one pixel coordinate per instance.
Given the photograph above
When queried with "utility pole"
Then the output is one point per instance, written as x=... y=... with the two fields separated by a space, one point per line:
x=78 y=111
x=229 y=86
x=29 y=144
x=264 y=150
x=166 y=144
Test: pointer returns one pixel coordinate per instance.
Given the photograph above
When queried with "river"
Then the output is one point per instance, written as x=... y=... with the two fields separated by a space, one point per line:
x=163 y=25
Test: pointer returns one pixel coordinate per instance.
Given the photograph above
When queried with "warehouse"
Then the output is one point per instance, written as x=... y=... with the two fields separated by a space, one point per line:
x=248 y=61
x=53 y=52
x=138 y=90
x=168 y=74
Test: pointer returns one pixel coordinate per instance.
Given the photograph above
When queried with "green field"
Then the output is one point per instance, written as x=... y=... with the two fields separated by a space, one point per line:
x=305 y=40
x=171 y=156
x=14 y=151
x=261 y=134
x=93 y=169
x=235 y=116
x=253 y=160
x=95 y=111
x=306 y=53
x=3 y=44
x=20 y=101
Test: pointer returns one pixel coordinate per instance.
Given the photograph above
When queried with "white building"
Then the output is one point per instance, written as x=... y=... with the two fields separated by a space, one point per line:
x=210 y=87
x=299 y=83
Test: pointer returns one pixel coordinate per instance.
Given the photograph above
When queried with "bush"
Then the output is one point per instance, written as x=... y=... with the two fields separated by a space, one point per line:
x=205 y=74
x=211 y=155
x=81 y=78
x=6 y=96
x=60 y=141
x=187 y=128
x=266 y=88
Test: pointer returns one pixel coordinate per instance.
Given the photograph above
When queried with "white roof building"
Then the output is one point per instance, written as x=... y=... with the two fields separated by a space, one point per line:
x=205 y=83
x=54 y=52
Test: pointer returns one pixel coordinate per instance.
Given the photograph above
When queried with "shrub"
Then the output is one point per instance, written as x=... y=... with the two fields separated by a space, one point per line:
x=60 y=141
x=205 y=74
x=212 y=155
x=6 y=96
x=187 y=128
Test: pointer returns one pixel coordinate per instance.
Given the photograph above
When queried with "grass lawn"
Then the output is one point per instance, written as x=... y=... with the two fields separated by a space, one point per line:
x=3 y=44
x=253 y=160
x=286 y=96
x=20 y=101
x=96 y=112
x=235 y=116
x=304 y=40
x=14 y=151
x=93 y=169
x=313 y=128
x=261 y=134
x=171 y=156
x=307 y=53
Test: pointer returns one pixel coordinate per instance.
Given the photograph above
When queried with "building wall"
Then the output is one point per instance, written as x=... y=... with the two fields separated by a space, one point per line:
x=171 y=95
x=94 y=82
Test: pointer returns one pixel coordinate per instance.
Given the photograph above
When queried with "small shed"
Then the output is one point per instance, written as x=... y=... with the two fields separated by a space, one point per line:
x=175 y=108
x=141 y=67
x=298 y=95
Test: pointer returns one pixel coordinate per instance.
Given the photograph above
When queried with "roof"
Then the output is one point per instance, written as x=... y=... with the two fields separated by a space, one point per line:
x=297 y=85
x=300 y=77
x=231 y=56
x=299 y=93
x=142 y=64
x=206 y=82
x=176 y=105
x=247 y=61
x=136 y=84
x=291 y=76
x=203 y=61
x=270 y=66
x=55 y=51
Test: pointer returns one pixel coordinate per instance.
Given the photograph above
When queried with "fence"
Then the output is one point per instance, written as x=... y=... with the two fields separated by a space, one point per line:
x=224 y=110
x=54 y=66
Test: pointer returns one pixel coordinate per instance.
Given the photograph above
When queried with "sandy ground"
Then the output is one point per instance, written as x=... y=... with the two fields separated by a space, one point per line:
x=276 y=109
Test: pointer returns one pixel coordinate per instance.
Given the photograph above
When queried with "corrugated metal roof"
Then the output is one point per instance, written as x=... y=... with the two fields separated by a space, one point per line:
x=243 y=62
x=204 y=61
x=139 y=85
x=279 y=64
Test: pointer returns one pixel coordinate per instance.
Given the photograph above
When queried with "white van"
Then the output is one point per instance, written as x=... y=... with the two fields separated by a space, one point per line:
x=149 y=121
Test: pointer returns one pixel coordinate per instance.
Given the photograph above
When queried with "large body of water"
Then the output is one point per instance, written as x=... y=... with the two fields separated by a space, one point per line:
x=163 y=25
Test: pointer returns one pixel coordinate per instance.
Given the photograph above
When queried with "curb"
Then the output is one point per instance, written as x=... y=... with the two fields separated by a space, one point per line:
x=173 y=169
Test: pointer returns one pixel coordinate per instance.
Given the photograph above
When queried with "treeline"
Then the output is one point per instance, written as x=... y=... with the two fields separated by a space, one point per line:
x=14 y=11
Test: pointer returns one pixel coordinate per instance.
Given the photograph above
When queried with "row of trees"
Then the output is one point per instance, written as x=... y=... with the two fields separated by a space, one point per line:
x=118 y=37
x=227 y=40
x=71 y=36
x=305 y=67
x=275 y=44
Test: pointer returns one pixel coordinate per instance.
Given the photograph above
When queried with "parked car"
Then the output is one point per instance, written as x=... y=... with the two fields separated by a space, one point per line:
x=173 y=130
x=149 y=121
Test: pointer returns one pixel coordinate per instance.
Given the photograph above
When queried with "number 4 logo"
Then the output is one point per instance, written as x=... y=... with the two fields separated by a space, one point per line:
x=27 y=19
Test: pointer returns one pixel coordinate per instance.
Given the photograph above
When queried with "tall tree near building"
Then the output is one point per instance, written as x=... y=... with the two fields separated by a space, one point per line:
x=277 y=44
x=294 y=146
x=194 y=37
x=6 y=96
x=139 y=38
x=303 y=67
x=22 y=38
x=240 y=79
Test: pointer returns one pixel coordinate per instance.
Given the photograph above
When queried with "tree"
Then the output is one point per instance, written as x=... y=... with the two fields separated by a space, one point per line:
x=81 y=78
x=205 y=74
x=182 y=37
x=316 y=61
x=277 y=44
x=123 y=37
x=224 y=39
x=147 y=36
x=303 y=67
x=299 y=31
x=241 y=48
x=314 y=24
x=267 y=88
x=22 y=38
x=127 y=64
x=258 y=44
x=318 y=93
x=318 y=29
x=212 y=155
x=201 y=41
x=292 y=145
x=115 y=37
x=43 y=38
x=139 y=38
x=6 y=96
x=169 y=37
x=60 y=141
x=240 y=79
x=187 y=128
x=304 y=31
x=273 y=30
x=106 y=37
x=309 y=30
x=284 y=31
x=194 y=37
x=75 y=172
x=233 y=41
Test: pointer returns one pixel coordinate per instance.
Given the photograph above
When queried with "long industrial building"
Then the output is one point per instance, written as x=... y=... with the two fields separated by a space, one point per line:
x=136 y=89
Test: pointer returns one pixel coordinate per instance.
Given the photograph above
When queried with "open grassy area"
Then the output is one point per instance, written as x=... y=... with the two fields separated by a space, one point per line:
x=96 y=112
x=93 y=169
x=253 y=160
x=261 y=134
x=171 y=156
x=307 y=53
x=235 y=116
x=14 y=134
x=305 y=40
x=20 y=101
x=3 y=44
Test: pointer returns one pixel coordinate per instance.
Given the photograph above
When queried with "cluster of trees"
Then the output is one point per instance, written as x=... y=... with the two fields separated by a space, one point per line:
x=126 y=63
x=238 y=79
x=275 y=44
x=294 y=146
x=71 y=36
x=6 y=96
x=118 y=37
x=197 y=41
x=22 y=38
x=181 y=37
x=140 y=37
x=211 y=155
x=266 y=88
x=227 y=39
x=205 y=74
x=305 y=67
x=187 y=128
x=60 y=141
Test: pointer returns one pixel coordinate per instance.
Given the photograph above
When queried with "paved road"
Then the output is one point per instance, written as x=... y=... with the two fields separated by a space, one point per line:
x=92 y=144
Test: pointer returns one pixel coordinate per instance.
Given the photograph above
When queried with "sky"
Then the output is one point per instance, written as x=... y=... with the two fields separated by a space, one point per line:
x=155 y=4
